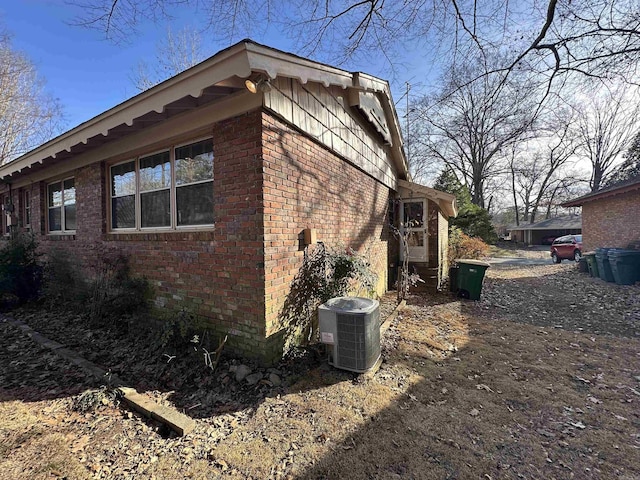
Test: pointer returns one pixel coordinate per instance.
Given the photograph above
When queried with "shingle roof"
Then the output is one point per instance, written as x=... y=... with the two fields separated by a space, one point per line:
x=571 y=222
x=622 y=187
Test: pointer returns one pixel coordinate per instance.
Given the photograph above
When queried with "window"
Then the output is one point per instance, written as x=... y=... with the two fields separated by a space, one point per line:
x=61 y=200
x=26 y=205
x=164 y=190
x=6 y=215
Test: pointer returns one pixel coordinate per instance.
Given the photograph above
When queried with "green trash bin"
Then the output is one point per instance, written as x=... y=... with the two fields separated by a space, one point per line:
x=625 y=266
x=470 y=277
x=592 y=264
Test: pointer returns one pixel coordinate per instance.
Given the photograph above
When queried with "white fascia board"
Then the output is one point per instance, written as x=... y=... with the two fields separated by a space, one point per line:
x=275 y=63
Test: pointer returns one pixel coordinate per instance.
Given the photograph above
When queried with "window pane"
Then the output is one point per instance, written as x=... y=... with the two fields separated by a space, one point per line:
x=27 y=208
x=155 y=209
x=55 y=221
x=155 y=172
x=195 y=204
x=416 y=239
x=123 y=179
x=69 y=194
x=194 y=163
x=55 y=194
x=413 y=214
x=123 y=212
x=69 y=217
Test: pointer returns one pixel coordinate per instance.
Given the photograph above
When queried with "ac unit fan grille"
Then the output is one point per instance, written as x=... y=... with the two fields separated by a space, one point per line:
x=358 y=345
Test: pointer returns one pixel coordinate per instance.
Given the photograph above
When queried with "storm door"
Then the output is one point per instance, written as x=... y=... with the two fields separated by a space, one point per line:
x=413 y=214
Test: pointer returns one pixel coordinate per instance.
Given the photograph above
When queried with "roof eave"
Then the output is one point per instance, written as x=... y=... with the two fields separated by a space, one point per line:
x=446 y=201
x=236 y=62
x=578 y=202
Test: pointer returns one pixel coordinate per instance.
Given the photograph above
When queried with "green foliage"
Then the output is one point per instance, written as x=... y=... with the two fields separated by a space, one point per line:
x=324 y=274
x=178 y=330
x=462 y=245
x=20 y=269
x=472 y=219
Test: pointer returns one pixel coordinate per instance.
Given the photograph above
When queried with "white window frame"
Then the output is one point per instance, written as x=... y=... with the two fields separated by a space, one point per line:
x=26 y=208
x=5 y=216
x=63 y=230
x=173 y=223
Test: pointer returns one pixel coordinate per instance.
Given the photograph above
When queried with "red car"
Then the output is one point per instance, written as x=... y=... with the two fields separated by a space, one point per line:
x=568 y=247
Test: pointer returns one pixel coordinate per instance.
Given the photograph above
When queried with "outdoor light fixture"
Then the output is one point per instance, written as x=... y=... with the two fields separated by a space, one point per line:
x=258 y=84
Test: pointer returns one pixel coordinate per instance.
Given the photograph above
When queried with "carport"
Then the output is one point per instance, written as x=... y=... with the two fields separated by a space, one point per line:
x=539 y=233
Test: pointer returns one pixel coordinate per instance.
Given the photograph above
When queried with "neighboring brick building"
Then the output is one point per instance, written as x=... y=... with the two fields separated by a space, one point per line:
x=610 y=217
x=208 y=180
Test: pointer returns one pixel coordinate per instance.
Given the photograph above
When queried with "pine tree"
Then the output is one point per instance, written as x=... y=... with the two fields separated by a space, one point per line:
x=473 y=220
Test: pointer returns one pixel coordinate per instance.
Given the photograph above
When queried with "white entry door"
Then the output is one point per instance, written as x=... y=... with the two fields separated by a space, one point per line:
x=413 y=214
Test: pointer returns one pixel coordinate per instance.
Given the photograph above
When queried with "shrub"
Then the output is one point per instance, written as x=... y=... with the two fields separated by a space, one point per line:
x=20 y=269
x=65 y=284
x=462 y=245
x=116 y=296
x=325 y=274
x=104 y=289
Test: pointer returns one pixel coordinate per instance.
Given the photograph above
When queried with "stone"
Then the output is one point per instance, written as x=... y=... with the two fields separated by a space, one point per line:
x=241 y=372
x=253 y=378
x=275 y=380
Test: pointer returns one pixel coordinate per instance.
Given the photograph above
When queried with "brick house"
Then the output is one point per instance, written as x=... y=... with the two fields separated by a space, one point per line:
x=610 y=215
x=208 y=181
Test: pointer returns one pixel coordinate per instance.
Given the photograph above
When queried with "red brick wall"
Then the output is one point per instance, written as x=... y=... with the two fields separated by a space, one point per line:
x=612 y=221
x=306 y=186
x=218 y=274
x=240 y=272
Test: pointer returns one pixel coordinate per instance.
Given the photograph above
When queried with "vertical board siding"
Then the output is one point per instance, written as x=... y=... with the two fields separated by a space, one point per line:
x=324 y=114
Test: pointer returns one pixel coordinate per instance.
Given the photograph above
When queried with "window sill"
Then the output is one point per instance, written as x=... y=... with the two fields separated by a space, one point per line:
x=61 y=236
x=160 y=236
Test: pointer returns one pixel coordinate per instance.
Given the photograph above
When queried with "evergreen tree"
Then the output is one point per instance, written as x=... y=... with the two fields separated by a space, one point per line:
x=473 y=220
x=630 y=168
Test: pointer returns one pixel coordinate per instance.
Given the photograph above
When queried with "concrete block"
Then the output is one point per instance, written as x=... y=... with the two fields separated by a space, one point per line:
x=177 y=421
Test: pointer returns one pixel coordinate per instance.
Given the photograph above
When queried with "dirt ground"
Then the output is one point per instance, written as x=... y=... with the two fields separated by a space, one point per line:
x=540 y=379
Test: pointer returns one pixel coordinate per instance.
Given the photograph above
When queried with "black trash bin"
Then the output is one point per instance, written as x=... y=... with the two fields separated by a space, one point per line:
x=625 y=266
x=604 y=267
x=453 y=278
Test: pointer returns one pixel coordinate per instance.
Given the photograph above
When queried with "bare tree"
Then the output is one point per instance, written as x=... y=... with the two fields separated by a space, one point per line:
x=606 y=128
x=174 y=54
x=471 y=126
x=630 y=168
x=538 y=169
x=28 y=116
x=594 y=37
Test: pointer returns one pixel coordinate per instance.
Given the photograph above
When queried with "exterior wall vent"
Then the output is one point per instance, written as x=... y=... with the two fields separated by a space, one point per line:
x=350 y=327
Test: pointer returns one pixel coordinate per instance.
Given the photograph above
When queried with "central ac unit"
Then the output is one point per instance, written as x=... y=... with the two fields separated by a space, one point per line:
x=350 y=327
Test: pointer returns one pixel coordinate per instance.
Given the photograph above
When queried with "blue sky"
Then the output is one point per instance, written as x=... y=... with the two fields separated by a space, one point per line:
x=89 y=74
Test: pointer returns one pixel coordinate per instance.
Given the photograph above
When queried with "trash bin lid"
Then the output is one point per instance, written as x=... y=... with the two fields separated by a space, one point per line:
x=469 y=261
x=350 y=304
